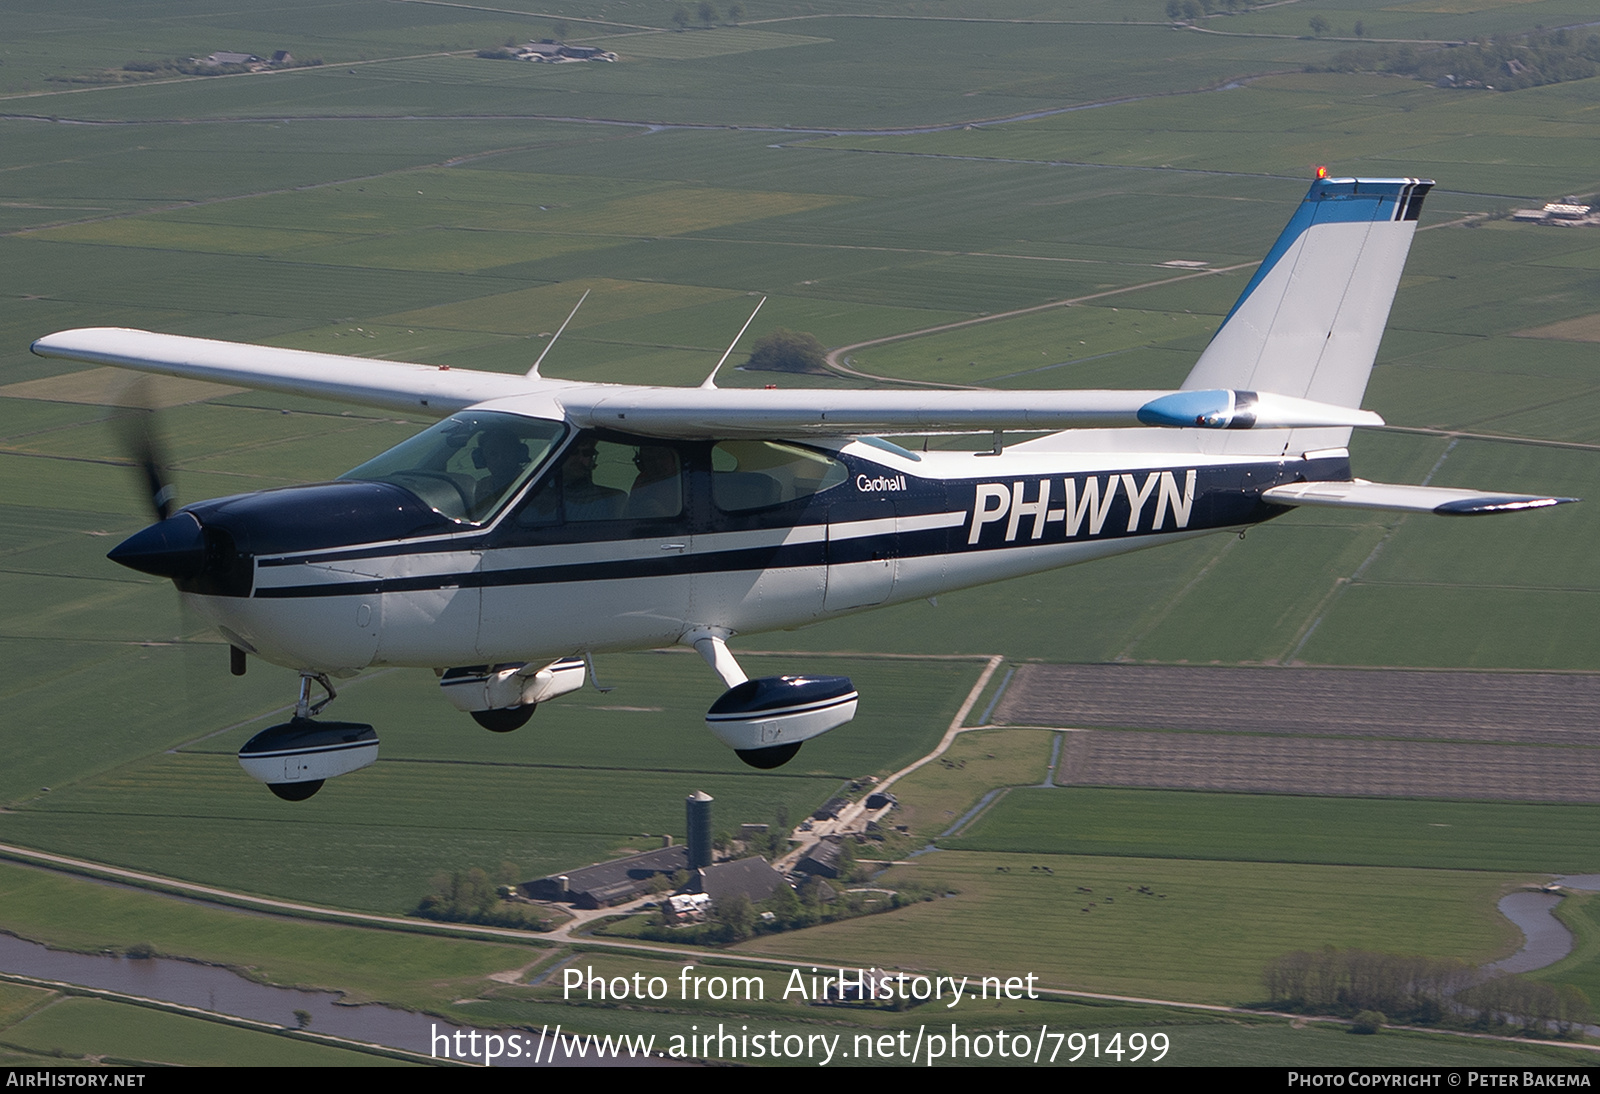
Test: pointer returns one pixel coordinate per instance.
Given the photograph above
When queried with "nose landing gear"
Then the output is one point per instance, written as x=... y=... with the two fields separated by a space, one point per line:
x=295 y=758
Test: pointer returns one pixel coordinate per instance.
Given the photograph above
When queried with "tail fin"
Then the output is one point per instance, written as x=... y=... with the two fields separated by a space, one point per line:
x=1309 y=322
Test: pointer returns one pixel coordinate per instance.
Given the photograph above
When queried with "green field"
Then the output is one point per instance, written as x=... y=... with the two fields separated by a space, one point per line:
x=129 y=1035
x=1203 y=932
x=940 y=793
x=409 y=200
x=593 y=775
x=1496 y=836
x=405 y=969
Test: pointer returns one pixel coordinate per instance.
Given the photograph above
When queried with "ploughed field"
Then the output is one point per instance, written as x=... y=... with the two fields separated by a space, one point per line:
x=1522 y=736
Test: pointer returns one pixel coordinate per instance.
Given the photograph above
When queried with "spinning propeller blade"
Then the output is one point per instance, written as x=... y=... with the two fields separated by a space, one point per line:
x=142 y=444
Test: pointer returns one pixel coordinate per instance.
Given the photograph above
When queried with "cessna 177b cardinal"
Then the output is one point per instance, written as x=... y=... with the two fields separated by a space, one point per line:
x=542 y=521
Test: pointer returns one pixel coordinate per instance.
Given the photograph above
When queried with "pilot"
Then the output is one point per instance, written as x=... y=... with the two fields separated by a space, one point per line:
x=503 y=455
x=657 y=491
x=582 y=497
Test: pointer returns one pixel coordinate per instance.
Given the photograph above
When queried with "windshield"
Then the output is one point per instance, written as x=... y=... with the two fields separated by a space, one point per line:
x=468 y=465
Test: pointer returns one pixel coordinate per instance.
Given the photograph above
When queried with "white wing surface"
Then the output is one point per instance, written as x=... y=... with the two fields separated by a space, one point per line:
x=1444 y=500
x=683 y=412
x=390 y=385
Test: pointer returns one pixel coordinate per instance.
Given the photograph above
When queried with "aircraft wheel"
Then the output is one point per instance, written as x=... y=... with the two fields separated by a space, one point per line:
x=504 y=719
x=768 y=758
x=295 y=792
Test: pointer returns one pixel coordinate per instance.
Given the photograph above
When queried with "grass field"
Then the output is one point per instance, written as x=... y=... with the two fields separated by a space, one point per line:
x=1497 y=836
x=1202 y=932
x=594 y=775
x=938 y=794
x=409 y=200
x=1195 y=1039
x=127 y=1035
x=405 y=969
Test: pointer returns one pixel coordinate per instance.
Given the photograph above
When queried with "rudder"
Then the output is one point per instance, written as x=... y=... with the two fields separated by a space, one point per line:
x=1309 y=322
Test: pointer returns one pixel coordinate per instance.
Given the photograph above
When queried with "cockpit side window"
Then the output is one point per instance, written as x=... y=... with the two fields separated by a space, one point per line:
x=747 y=475
x=598 y=479
x=468 y=465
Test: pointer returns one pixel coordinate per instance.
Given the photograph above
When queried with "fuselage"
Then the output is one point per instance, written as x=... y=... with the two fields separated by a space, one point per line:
x=740 y=537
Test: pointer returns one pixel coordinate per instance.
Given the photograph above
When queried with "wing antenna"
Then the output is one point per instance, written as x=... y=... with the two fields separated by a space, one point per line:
x=533 y=373
x=710 y=382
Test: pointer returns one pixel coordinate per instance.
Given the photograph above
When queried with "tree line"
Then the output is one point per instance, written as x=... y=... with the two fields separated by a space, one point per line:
x=1505 y=62
x=1420 y=990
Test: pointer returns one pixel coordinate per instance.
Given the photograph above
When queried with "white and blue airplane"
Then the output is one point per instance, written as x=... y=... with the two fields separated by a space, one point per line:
x=543 y=521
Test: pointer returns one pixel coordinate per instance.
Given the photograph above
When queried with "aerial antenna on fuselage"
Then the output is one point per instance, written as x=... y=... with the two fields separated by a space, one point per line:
x=710 y=382
x=533 y=373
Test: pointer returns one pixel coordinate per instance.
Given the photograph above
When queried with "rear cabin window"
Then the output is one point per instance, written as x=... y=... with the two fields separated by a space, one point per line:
x=748 y=475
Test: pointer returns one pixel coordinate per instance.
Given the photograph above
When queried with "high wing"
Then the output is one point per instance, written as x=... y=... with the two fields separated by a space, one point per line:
x=1283 y=376
x=1293 y=354
x=435 y=390
x=689 y=413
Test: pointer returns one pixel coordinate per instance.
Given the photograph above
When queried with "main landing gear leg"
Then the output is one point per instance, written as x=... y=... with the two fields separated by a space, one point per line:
x=305 y=709
x=714 y=649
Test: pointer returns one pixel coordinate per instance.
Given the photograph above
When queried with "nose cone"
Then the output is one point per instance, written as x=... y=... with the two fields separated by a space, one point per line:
x=175 y=548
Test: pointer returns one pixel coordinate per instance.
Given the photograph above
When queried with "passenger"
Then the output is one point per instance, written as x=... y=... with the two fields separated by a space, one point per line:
x=657 y=491
x=582 y=497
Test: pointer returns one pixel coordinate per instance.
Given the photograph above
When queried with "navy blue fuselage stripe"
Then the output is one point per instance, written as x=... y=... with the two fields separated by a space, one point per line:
x=1224 y=497
x=750 y=558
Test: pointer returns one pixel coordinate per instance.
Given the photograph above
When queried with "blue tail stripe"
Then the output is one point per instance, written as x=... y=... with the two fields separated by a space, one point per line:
x=1330 y=201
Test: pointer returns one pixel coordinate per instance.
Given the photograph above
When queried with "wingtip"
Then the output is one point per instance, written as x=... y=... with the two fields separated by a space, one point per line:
x=1507 y=503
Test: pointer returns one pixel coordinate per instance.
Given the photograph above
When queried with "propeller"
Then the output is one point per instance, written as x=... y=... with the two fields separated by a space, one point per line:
x=143 y=445
x=174 y=546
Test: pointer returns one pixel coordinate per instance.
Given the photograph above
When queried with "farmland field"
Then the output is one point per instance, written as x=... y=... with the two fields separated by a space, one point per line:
x=1202 y=931
x=128 y=1035
x=875 y=171
x=1163 y=824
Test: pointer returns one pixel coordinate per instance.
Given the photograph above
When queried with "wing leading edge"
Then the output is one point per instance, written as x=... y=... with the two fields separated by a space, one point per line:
x=390 y=385
x=689 y=413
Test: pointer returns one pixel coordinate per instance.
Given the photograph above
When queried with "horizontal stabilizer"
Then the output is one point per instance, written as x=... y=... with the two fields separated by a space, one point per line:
x=1444 y=500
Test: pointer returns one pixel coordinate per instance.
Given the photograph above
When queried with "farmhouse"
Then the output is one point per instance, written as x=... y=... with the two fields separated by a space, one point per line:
x=550 y=51
x=1569 y=212
x=223 y=57
x=608 y=883
x=754 y=878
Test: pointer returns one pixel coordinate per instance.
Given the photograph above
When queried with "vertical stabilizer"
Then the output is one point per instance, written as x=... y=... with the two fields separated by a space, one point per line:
x=1309 y=322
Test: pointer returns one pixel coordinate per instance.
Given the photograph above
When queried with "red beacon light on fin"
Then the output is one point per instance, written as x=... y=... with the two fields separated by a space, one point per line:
x=1322 y=172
